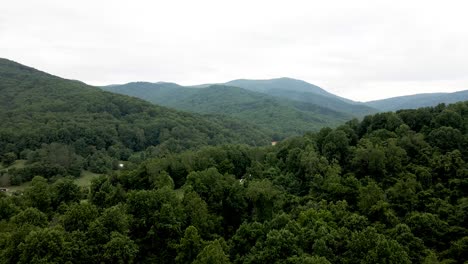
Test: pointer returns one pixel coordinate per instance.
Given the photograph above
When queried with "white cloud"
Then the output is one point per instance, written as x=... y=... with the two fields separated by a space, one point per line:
x=358 y=49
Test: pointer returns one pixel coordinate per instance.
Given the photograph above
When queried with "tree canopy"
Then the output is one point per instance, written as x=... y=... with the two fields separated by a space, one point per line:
x=391 y=188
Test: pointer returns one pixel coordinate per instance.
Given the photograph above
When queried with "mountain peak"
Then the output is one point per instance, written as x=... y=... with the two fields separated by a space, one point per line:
x=282 y=83
x=146 y=84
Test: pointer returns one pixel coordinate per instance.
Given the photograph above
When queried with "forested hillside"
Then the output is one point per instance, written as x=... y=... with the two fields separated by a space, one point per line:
x=61 y=126
x=161 y=93
x=281 y=116
x=391 y=188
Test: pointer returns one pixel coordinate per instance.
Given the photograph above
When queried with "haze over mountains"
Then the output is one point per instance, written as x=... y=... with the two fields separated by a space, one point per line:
x=418 y=100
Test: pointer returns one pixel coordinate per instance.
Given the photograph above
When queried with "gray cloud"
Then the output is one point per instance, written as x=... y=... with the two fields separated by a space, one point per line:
x=358 y=49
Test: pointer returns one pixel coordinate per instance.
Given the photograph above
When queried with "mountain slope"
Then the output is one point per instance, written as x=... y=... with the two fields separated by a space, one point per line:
x=302 y=91
x=354 y=109
x=162 y=93
x=418 y=100
x=284 y=117
x=38 y=108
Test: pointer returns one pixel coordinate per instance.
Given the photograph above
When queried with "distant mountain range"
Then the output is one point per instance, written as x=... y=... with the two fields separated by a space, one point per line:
x=418 y=100
x=303 y=91
x=282 y=116
x=284 y=106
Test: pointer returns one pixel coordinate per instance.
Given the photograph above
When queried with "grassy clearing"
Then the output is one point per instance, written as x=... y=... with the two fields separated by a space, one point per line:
x=85 y=179
x=18 y=164
x=4 y=179
x=19 y=188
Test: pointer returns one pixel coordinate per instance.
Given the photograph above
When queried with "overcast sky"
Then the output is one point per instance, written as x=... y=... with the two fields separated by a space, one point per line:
x=361 y=50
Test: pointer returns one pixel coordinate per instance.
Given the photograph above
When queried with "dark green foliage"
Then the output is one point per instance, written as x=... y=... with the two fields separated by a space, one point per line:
x=30 y=216
x=213 y=253
x=64 y=191
x=38 y=195
x=7 y=207
x=445 y=138
x=79 y=216
x=104 y=194
x=190 y=246
x=120 y=249
x=44 y=246
x=8 y=158
x=371 y=247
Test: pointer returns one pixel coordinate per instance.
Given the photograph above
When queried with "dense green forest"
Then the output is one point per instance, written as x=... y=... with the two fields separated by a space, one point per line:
x=281 y=116
x=391 y=188
x=62 y=127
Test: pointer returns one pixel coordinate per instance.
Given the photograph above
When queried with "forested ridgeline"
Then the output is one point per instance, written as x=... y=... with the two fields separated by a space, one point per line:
x=284 y=106
x=389 y=189
x=62 y=126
